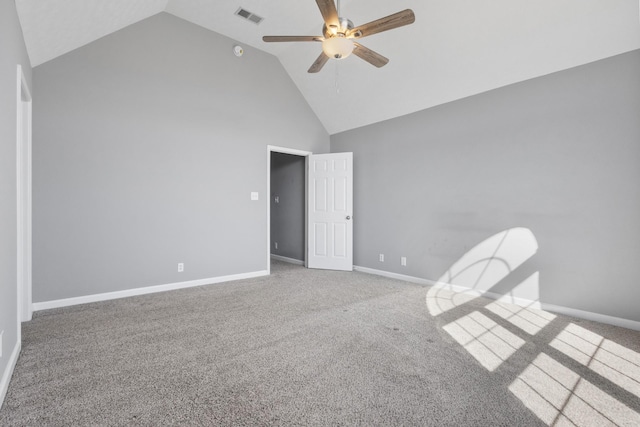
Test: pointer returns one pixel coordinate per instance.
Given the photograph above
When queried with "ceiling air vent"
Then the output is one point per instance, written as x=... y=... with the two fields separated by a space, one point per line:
x=243 y=13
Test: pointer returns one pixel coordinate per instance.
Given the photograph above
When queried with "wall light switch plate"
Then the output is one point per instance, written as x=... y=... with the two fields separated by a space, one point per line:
x=254 y=195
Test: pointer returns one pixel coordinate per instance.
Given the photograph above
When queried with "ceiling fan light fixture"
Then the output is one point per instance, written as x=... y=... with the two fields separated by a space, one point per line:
x=338 y=34
x=337 y=47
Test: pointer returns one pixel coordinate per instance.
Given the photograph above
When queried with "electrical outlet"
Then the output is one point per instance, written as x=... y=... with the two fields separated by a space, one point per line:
x=180 y=267
x=381 y=257
x=276 y=244
x=403 y=261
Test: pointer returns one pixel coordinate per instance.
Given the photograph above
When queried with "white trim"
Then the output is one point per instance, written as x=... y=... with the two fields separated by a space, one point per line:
x=396 y=276
x=285 y=150
x=46 y=305
x=595 y=317
x=23 y=199
x=287 y=259
x=523 y=302
x=29 y=215
x=8 y=372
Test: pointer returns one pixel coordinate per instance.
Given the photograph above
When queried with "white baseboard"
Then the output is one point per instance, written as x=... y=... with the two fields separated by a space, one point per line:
x=596 y=317
x=8 y=372
x=286 y=259
x=397 y=276
x=523 y=302
x=46 y=305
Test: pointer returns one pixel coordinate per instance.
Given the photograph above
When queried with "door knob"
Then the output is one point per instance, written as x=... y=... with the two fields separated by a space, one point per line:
x=348 y=217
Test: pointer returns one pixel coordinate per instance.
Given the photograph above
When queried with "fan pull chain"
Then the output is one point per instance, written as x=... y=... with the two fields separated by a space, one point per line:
x=337 y=82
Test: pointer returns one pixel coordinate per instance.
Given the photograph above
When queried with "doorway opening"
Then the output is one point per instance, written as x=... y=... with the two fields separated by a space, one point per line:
x=286 y=209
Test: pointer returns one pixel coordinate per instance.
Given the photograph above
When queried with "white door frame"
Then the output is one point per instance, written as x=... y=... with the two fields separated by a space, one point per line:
x=295 y=152
x=23 y=183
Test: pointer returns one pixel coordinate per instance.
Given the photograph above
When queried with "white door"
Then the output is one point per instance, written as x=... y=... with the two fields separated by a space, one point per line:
x=330 y=196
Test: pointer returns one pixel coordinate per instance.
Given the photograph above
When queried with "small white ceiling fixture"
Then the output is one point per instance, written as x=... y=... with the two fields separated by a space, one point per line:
x=238 y=50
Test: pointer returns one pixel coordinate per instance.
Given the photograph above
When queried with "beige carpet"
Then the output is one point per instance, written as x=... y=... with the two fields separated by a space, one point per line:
x=305 y=347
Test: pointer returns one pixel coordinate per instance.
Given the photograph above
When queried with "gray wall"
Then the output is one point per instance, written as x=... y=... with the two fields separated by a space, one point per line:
x=558 y=155
x=147 y=145
x=287 y=216
x=12 y=52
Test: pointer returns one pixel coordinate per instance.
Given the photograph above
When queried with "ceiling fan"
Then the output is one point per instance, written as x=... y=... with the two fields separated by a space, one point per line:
x=339 y=35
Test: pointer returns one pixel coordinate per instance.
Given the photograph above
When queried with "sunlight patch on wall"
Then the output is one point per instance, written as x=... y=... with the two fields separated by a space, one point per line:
x=492 y=260
x=483 y=267
x=528 y=289
x=614 y=362
x=559 y=396
x=489 y=343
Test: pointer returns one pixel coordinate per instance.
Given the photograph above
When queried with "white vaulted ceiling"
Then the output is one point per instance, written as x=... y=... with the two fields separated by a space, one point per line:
x=456 y=48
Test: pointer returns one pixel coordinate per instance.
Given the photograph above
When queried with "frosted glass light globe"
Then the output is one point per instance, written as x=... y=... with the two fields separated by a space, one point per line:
x=337 y=47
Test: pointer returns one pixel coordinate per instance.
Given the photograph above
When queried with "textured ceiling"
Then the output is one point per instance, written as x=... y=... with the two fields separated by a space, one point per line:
x=456 y=48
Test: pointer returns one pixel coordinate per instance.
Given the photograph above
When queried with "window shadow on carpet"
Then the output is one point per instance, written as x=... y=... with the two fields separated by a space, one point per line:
x=566 y=371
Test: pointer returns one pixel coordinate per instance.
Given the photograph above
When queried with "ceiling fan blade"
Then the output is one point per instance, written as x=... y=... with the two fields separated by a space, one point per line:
x=319 y=63
x=370 y=56
x=329 y=13
x=292 y=38
x=390 y=22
